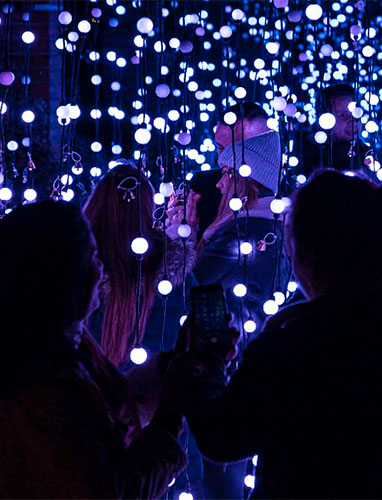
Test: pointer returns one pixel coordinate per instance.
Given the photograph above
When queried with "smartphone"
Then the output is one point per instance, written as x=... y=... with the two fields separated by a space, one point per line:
x=210 y=314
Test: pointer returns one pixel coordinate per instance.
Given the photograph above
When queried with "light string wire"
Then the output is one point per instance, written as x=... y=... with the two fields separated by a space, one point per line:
x=57 y=189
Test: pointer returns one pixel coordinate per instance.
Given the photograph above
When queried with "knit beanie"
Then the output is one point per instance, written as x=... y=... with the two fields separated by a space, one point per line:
x=262 y=153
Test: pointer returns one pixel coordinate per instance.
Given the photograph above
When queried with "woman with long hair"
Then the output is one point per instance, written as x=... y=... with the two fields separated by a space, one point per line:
x=113 y=213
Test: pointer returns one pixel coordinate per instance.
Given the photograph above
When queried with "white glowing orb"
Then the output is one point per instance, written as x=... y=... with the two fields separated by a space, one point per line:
x=63 y=112
x=158 y=199
x=185 y=496
x=184 y=230
x=30 y=194
x=277 y=206
x=12 y=145
x=3 y=108
x=159 y=123
x=279 y=298
x=249 y=481
x=230 y=118
x=96 y=147
x=225 y=32
x=270 y=307
x=246 y=248
x=5 y=194
x=313 y=11
x=182 y=320
x=162 y=90
x=66 y=180
x=164 y=287
x=249 y=326
x=301 y=179
x=184 y=138
x=379 y=175
x=240 y=290
x=368 y=51
x=145 y=25
x=28 y=116
x=357 y=112
x=139 y=245
x=84 y=26
x=320 y=137
x=95 y=172
x=290 y=109
x=240 y=93
x=74 y=111
x=138 y=355
x=166 y=189
x=259 y=63
x=245 y=170
x=292 y=286
x=237 y=14
x=279 y=103
x=272 y=47
x=65 y=18
x=67 y=194
x=327 y=121
x=142 y=136
x=326 y=49
x=273 y=123
x=28 y=37
x=235 y=204
x=371 y=126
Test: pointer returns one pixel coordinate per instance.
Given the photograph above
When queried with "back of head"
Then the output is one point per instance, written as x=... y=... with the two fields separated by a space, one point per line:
x=46 y=273
x=339 y=90
x=335 y=230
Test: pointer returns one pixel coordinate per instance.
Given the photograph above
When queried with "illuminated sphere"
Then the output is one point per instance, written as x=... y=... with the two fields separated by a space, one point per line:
x=240 y=93
x=235 y=204
x=145 y=25
x=84 y=26
x=186 y=47
x=294 y=16
x=250 y=326
x=279 y=298
x=259 y=63
x=371 y=127
x=355 y=30
x=379 y=175
x=292 y=286
x=326 y=49
x=270 y=307
x=73 y=36
x=272 y=47
x=116 y=149
x=142 y=136
x=28 y=116
x=277 y=206
x=186 y=496
x=200 y=31
x=255 y=460
x=320 y=137
x=65 y=17
x=230 y=118
x=164 y=287
x=138 y=355
x=357 y=112
x=5 y=194
x=246 y=248
x=174 y=43
x=28 y=37
x=96 y=147
x=182 y=320
x=30 y=194
x=279 y=103
x=237 y=14
x=225 y=32
x=240 y=290
x=290 y=109
x=67 y=180
x=162 y=90
x=139 y=245
x=96 y=12
x=184 y=230
x=184 y=138
x=249 y=481
x=62 y=112
x=327 y=121
x=166 y=189
x=7 y=78
x=280 y=4
x=74 y=111
x=158 y=199
x=368 y=51
x=95 y=172
x=245 y=170
x=12 y=146
x=313 y=12
x=67 y=194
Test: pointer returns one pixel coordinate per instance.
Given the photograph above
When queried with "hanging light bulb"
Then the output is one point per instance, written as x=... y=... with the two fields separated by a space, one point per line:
x=139 y=245
x=279 y=298
x=5 y=194
x=240 y=290
x=142 y=136
x=246 y=248
x=270 y=307
x=145 y=25
x=249 y=326
x=165 y=287
x=245 y=170
x=313 y=11
x=277 y=206
x=138 y=355
x=184 y=230
x=166 y=189
x=30 y=194
x=235 y=203
x=327 y=121
x=230 y=118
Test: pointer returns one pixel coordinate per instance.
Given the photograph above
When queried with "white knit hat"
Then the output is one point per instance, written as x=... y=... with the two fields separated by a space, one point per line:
x=262 y=153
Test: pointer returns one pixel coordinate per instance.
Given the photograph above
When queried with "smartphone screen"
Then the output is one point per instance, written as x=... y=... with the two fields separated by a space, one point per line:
x=210 y=313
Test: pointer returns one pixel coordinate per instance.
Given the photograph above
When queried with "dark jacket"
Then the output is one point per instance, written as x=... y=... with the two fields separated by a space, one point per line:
x=266 y=270
x=306 y=399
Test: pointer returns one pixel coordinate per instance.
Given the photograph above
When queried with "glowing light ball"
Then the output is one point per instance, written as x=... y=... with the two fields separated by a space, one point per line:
x=95 y=172
x=174 y=43
x=96 y=12
x=272 y=47
x=327 y=121
x=237 y=14
x=30 y=194
x=371 y=127
x=240 y=93
x=249 y=481
x=166 y=189
x=249 y=326
x=320 y=137
x=74 y=111
x=142 y=136
x=185 y=496
x=7 y=78
x=84 y=27
x=139 y=245
x=63 y=112
x=184 y=138
x=279 y=103
x=357 y=112
x=279 y=298
x=245 y=170
x=73 y=36
x=164 y=287
x=235 y=204
x=277 y=206
x=200 y=31
x=67 y=194
x=96 y=147
x=259 y=63
x=240 y=290
x=12 y=146
x=368 y=51
x=96 y=79
x=230 y=118
x=292 y=286
x=301 y=179
x=159 y=199
x=294 y=16
x=255 y=460
x=270 y=307
x=28 y=116
x=138 y=355
x=290 y=109
x=326 y=49
x=246 y=248
x=145 y=25
x=313 y=11
x=65 y=17
x=186 y=47
x=225 y=32
x=184 y=230
x=182 y=320
x=28 y=37
x=5 y=194
x=162 y=90
x=355 y=31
